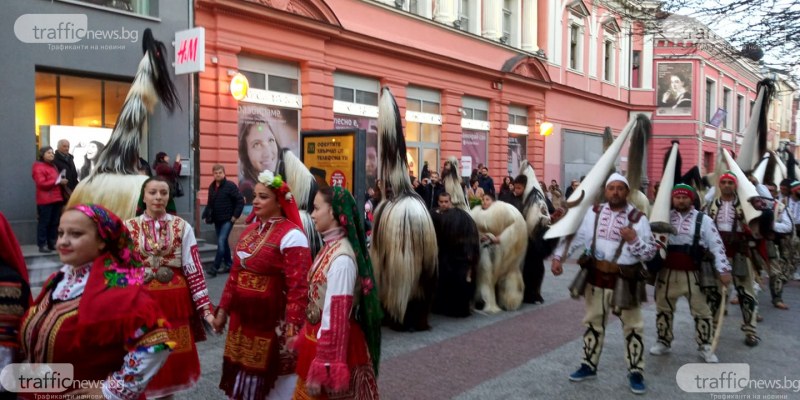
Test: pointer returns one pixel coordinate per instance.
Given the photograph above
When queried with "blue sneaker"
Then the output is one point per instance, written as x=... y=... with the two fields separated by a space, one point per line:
x=636 y=381
x=583 y=373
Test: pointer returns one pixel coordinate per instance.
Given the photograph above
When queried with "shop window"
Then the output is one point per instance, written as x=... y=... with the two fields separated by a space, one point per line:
x=78 y=101
x=142 y=7
x=422 y=138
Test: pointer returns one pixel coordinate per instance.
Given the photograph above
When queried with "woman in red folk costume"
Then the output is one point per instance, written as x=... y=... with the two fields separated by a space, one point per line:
x=94 y=313
x=339 y=348
x=174 y=277
x=265 y=296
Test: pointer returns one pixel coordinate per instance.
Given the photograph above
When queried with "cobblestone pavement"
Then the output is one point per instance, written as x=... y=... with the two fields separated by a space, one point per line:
x=528 y=354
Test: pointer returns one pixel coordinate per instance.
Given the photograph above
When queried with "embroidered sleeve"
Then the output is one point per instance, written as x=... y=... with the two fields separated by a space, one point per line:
x=710 y=238
x=193 y=270
x=644 y=248
x=148 y=351
x=296 y=262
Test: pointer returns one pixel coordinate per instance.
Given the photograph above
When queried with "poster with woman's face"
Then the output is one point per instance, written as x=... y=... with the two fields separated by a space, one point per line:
x=263 y=130
x=517 y=152
x=674 y=88
x=85 y=145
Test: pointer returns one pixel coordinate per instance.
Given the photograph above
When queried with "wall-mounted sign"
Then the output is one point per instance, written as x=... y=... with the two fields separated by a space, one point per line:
x=518 y=129
x=190 y=51
x=261 y=96
x=361 y=110
x=423 y=118
x=474 y=124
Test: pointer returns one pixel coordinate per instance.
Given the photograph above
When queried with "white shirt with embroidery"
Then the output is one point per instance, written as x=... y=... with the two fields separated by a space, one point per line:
x=726 y=216
x=143 y=362
x=293 y=238
x=783 y=222
x=608 y=237
x=684 y=224
x=794 y=209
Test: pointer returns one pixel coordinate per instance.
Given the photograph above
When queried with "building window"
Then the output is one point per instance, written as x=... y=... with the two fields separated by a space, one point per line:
x=708 y=160
x=575 y=47
x=711 y=99
x=463 y=16
x=739 y=112
x=608 y=61
x=507 y=18
x=357 y=96
x=636 y=70
x=726 y=105
x=273 y=83
x=517 y=138
x=142 y=7
x=413 y=6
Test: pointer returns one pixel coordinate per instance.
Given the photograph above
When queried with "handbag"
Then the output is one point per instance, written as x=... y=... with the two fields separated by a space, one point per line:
x=66 y=193
x=178 y=189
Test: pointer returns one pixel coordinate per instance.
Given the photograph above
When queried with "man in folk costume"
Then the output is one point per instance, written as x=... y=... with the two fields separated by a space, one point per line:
x=780 y=250
x=615 y=238
x=728 y=216
x=459 y=253
x=695 y=234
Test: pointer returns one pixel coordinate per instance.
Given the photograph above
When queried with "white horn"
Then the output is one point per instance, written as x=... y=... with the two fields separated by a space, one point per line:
x=744 y=189
x=659 y=216
x=748 y=153
x=761 y=168
x=590 y=188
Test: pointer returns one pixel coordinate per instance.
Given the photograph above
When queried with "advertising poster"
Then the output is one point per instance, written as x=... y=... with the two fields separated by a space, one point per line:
x=330 y=159
x=85 y=144
x=343 y=121
x=517 y=152
x=474 y=146
x=674 y=89
x=262 y=131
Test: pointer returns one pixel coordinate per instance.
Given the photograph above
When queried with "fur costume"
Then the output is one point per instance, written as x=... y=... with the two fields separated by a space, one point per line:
x=404 y=250
x=459 y=252
x=537 y=220
x=116 y=181
x=500 y=267
x=304 y=188
x=451 y=177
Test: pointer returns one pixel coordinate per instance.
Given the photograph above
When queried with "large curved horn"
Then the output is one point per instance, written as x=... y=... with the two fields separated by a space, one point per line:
x=761 y=168
x=659 y=215
x=755 y=135
x=745 y=190
x=589 y=189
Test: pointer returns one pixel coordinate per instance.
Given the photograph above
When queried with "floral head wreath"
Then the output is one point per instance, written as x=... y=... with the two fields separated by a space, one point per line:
x=284 y=195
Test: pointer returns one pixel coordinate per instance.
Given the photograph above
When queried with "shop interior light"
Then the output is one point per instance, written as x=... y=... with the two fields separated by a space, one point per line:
x=546 y=129
x=239 y=86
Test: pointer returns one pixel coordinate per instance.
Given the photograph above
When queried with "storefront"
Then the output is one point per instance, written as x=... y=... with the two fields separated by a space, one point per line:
x=478 y=107
x=59 y=85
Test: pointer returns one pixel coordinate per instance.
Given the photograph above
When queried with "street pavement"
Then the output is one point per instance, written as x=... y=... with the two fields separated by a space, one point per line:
x=529 y=353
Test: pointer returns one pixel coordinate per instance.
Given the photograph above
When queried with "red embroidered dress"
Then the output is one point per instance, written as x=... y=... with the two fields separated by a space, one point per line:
x=121 y=338
x=332 y=348
x=266 y=296
x=183 y=296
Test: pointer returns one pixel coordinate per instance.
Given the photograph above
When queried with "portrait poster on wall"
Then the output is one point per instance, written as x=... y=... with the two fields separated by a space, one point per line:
x=474 y=146
x=85 y=144
x=517 y=152
x=262 y=131
x=674 y=88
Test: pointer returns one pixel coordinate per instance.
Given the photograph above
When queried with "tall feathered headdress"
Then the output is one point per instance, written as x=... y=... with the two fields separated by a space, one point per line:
x=754 y=144
x=115 y=182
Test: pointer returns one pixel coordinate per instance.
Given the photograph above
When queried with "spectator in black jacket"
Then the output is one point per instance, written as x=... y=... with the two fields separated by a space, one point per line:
x=486 y=182
x=224 y=207
x=65 y=161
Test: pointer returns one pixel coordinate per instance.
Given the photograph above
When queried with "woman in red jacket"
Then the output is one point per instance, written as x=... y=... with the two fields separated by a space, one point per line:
x=49 y=200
